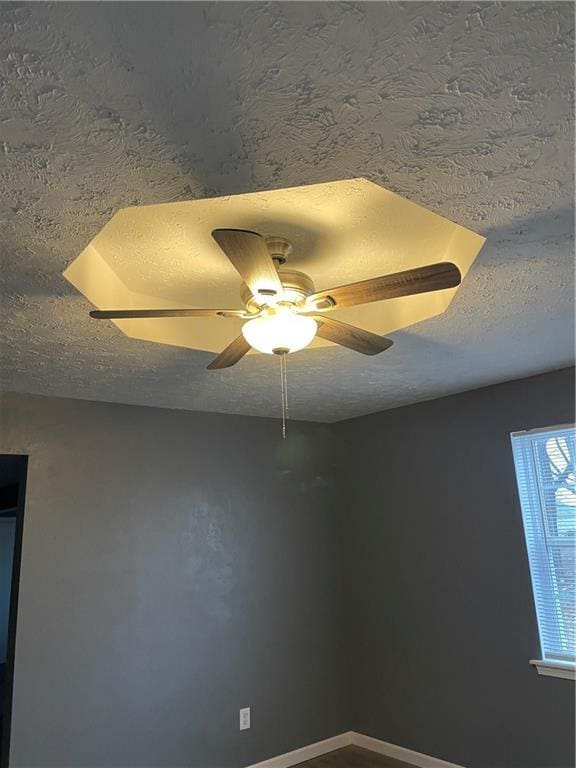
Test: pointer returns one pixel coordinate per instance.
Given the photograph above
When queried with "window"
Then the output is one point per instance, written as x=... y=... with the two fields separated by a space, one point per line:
x=545 y=473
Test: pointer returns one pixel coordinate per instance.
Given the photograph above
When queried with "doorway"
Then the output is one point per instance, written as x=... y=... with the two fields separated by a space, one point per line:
x=13 y=470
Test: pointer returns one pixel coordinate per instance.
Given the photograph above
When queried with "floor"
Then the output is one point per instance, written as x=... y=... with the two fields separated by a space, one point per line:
x=353 y=757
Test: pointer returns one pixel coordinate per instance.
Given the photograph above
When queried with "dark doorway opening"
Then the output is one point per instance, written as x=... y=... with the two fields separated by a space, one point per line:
x=13 y=470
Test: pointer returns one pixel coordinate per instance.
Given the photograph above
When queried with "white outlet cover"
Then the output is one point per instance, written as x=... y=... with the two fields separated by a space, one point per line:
x=245 y=718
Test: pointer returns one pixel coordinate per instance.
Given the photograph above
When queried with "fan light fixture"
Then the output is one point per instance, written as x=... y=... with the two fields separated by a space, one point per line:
x=280 y=308
x=279 y=331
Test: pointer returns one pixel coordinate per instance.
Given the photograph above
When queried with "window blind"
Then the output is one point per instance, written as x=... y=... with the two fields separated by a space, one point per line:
x=545 y=472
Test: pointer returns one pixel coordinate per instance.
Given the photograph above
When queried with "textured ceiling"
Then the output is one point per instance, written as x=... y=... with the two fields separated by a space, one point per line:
x=463 y=108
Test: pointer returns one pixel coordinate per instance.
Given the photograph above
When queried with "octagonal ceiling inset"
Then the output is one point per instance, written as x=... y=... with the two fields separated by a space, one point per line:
x=163 y=256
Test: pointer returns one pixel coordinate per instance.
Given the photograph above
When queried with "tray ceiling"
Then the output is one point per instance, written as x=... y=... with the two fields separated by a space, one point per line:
x=164 y=256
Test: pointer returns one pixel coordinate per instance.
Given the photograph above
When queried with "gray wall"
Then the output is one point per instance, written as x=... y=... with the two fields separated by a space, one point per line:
x=7 y=532
x=179 y=566
x=176 y=567
x=440 y=598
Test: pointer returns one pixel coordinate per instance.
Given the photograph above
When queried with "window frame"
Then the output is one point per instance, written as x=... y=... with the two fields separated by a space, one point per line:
x=545 y=665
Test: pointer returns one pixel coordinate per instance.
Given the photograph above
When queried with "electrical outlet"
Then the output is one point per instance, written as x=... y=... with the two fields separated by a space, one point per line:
x=245 y=718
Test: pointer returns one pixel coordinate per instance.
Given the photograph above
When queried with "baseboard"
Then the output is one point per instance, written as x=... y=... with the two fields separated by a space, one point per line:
x=307 y=753
x=416 y=759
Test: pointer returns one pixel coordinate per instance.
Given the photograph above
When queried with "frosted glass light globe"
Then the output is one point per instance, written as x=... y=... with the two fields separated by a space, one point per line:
x=281 y=330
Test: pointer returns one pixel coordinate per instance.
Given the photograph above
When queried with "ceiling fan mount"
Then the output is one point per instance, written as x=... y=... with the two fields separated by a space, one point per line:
x=279 y=248
x=282 y=309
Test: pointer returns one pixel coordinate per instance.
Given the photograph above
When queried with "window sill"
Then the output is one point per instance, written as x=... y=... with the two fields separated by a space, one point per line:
x=555 y=668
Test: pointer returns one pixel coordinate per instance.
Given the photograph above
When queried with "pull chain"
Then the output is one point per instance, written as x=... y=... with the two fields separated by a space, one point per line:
x=284 y=385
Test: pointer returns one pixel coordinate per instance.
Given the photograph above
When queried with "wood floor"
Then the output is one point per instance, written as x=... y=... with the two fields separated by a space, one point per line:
x=353 y=757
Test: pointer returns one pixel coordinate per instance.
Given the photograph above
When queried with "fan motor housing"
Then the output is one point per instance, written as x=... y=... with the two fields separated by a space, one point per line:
x=297 y=286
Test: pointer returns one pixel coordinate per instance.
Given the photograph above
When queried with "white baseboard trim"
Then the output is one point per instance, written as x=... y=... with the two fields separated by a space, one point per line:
x=417 y=759
x=307 y=753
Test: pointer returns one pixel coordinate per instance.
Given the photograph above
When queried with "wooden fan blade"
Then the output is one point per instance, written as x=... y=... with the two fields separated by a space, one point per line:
x=231 y=355
x=119 y=314
x=358 y=339
x=433 y=277
x=249 y=254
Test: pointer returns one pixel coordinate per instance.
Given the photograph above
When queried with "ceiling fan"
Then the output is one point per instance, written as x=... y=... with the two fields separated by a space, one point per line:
x=282 y=309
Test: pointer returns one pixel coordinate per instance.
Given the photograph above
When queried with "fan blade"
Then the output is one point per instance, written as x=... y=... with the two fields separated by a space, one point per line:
x=433 y=277
x=358 y=339
x=249 y=254
x=231 y=355
x=119 y=314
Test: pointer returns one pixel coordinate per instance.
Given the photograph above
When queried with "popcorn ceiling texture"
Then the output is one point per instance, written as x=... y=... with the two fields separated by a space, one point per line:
x=463 y=108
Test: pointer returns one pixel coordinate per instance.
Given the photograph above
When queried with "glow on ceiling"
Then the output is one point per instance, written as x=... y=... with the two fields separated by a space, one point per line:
x=163 y=256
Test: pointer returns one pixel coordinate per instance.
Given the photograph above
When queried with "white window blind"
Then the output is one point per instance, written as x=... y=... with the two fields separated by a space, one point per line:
x=545 y=472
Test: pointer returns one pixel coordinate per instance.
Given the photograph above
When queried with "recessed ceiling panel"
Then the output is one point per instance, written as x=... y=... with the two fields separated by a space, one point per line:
x=342 y=232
